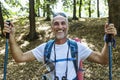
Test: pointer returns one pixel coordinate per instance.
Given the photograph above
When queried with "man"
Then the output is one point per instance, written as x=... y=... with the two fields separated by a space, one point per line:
x=60 y=49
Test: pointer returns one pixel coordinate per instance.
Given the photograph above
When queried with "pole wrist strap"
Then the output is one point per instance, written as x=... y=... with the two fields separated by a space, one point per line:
x=113 y=41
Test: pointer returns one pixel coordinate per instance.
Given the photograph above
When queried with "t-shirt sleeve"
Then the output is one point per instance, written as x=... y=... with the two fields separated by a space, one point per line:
x=83 y=51
x=38 y=52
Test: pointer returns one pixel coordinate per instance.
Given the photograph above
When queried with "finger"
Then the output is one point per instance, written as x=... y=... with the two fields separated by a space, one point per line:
x=110 y=28
x=115 y=31
x=106 y=25
x=9 y=24
x=5 y=25
x=6 y=30
x=111 y=25
x=111 y=31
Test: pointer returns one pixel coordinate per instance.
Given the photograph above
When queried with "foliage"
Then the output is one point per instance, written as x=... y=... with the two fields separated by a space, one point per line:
x=5 y=12
x=41 y=4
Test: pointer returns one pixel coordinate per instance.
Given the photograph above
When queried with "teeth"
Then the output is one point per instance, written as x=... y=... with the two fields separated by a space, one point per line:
x=60 y=30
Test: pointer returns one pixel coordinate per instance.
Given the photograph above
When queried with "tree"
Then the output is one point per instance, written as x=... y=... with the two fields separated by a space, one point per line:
x=80 y=8
x=74 y=10
x=114 y=13
x=98 y=13
x=1 y=19
x=89 y=8
x=37 y=8
x=48 y=10
x=32 y=33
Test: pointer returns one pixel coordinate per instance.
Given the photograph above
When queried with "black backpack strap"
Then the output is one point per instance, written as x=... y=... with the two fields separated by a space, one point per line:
x=74 y=53
x=47 y=50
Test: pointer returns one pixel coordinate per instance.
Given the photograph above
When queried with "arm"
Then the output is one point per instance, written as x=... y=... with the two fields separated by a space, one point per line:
x=17 y=53
x=102 y=57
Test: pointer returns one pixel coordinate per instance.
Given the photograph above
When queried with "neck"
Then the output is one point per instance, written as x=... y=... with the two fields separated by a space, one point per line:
x=60 y=41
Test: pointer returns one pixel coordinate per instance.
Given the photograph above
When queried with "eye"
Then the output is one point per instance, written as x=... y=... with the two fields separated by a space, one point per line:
x=55 y=23
x=63 y=23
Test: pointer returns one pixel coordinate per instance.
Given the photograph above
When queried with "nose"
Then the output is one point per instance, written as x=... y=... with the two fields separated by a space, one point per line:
x=60 y=26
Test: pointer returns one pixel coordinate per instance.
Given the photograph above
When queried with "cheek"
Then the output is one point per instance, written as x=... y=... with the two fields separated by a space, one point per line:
x=66 y=28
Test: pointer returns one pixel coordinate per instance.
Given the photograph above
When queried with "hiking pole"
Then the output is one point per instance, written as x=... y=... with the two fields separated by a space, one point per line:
x=110 y=57
x=6 y=53
x=110 y=51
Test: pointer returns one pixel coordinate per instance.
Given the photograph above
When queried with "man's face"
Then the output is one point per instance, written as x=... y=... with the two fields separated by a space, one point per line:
x=60 y=27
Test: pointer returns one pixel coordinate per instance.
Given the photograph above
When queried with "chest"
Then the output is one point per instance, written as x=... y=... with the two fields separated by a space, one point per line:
x=60 y=52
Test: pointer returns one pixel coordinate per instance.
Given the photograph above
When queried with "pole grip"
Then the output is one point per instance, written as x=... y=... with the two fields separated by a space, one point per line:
x=109 y=37
x=8 y=23
x=109 y=22
x=110 y=45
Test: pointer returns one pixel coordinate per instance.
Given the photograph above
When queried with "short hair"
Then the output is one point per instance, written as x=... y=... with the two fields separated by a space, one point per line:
x=59 y=13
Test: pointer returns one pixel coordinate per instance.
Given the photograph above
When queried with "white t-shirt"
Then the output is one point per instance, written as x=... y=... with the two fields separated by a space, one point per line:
x=61 y=53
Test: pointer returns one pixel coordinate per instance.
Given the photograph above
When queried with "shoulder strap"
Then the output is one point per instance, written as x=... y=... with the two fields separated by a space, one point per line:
x=47 y=50
x=74 y=53
x=73 y=47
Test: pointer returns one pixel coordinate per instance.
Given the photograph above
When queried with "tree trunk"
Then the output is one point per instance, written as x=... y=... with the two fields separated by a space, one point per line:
x=98 y=13
x=1 y=20
x=44 y=11
x=114 y=13
x=89 y=9
x=32 y=33
x=48 y=12
x=38 y=12
x=74 y=11
x=80 y=8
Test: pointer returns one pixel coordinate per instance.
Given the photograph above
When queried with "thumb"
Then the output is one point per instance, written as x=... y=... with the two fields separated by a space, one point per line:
x=11 y=24
x=106 y=25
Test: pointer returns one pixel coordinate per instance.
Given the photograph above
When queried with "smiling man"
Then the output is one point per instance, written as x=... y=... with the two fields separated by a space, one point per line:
x=61 y=52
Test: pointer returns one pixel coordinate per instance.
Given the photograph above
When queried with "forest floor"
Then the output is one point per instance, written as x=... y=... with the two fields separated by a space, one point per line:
x=91 y=31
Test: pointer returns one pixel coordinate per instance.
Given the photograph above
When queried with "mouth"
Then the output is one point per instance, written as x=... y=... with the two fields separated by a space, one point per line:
x=60 y=34
x=60 y=31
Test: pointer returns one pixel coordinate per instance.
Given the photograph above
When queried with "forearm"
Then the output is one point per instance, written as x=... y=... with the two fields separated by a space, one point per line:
x=100 y=57
x=104 y=54
x=15 y=49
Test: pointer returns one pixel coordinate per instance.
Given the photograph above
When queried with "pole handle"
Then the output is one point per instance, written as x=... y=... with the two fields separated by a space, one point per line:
x=8 y=23
x=109 y=35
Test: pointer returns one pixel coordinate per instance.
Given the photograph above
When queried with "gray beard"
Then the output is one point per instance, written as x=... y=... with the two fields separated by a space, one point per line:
x=60 y=36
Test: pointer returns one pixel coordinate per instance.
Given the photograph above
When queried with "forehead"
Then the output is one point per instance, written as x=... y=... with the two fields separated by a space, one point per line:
x=59 y=18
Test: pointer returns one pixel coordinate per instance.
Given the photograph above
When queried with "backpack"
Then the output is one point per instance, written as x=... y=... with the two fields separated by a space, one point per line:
x=74 y=54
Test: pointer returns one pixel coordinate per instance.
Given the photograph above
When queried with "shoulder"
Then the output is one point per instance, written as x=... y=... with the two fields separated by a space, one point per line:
x=40 y=47
x=46 y=43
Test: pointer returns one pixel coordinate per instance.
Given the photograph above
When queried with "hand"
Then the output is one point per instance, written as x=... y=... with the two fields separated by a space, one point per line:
x=110 y=29
x=8 y=29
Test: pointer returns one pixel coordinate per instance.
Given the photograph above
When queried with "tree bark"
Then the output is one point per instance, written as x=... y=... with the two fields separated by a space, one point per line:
x=1 y=20
x=114 y=13
x=74 y=10
x=32 y=33
x=89 y=9
x=98 y=13
x=48 y=12
x=80 y=8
